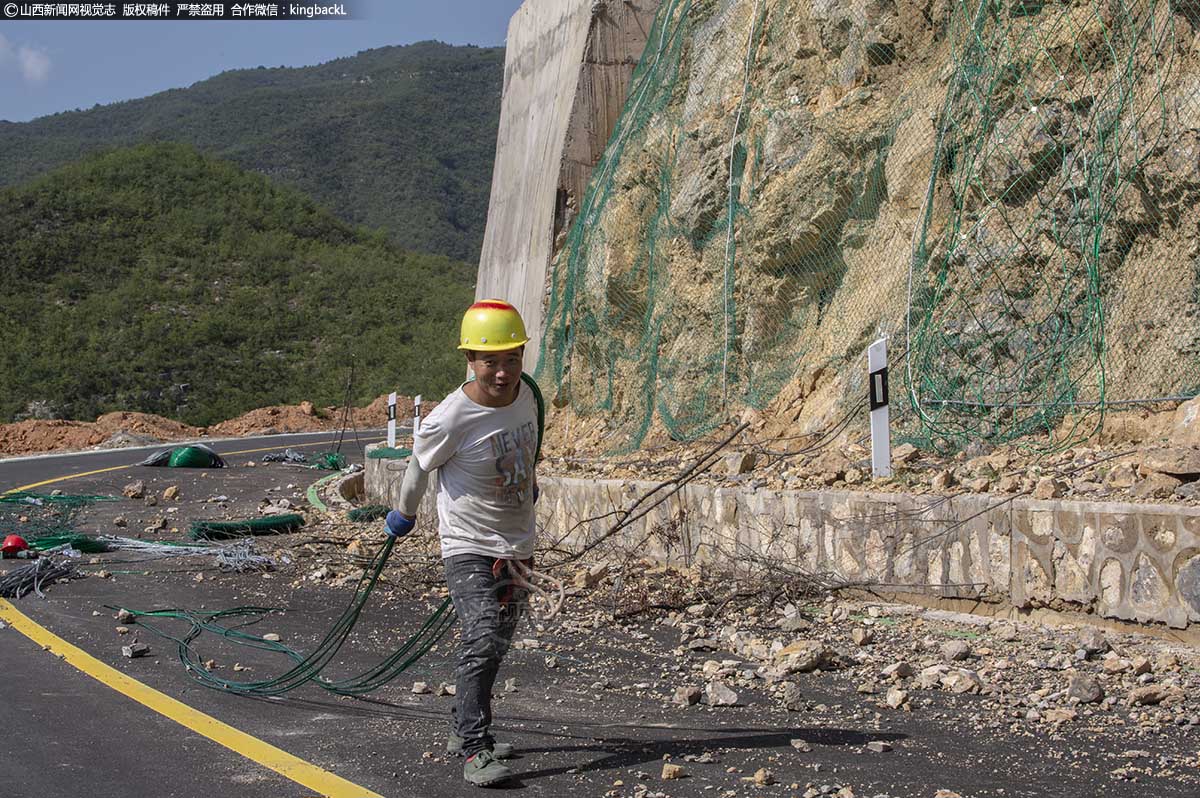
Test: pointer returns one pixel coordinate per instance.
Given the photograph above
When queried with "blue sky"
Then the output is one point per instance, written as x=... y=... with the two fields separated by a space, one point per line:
x=47 y=67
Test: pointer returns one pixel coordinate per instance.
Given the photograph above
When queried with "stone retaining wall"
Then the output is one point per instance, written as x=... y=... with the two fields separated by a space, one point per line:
x=1132 y=562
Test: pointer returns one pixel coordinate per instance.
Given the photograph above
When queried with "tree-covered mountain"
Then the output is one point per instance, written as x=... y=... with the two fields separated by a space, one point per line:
x=161 y=279
x=398 y=138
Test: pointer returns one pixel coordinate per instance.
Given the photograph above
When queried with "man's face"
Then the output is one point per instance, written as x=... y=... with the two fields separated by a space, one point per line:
x=498 y=373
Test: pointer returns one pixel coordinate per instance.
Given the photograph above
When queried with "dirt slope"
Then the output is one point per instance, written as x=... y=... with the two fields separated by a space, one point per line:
x=114 y=430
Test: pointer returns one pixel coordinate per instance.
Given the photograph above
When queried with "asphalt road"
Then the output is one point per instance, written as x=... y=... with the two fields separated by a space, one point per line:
x=69 y=732
x=18 y=471
x=590 y=712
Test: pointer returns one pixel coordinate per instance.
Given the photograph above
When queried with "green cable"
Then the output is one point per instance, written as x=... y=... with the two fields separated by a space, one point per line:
x=541 y=412
x=400 y=660
x=307 y=668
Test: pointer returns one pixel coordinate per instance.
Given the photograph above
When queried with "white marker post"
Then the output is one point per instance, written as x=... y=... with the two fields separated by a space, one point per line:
x=881 y=435
x=391 y=420
x=416 y=414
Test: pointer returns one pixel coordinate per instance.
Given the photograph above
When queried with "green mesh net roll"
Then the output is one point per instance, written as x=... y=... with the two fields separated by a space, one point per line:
x=267 y=525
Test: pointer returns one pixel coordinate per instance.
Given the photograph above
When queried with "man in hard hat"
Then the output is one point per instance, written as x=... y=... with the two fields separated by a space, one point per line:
x=483 y=439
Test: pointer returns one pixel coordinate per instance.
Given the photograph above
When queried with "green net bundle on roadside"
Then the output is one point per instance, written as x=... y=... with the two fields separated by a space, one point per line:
x=1006 y=189
x=85 y=544
x=267 y=525
x=329 y=461
x=35 y=516
x=194 y=456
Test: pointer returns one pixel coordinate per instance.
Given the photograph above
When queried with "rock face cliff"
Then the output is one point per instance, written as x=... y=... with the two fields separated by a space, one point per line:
x=1006 y=189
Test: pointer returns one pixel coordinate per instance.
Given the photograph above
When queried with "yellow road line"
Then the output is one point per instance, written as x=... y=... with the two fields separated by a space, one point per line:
x=63 y=479
x=278 y=760
x=33 y=485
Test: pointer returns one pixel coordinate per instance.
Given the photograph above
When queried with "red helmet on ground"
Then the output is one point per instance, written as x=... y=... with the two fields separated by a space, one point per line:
x=13 y=543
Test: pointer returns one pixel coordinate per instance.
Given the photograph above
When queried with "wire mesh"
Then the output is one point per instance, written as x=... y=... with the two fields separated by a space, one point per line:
x=1004 y=187
x=35 y=516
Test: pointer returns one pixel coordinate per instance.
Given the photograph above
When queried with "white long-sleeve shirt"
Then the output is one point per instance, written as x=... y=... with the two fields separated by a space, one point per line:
x=485 y=461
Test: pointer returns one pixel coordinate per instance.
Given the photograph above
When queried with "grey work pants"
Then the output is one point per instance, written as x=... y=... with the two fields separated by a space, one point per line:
x=486 y=628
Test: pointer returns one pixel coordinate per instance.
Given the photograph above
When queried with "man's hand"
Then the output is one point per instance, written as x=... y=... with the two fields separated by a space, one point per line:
x=398 y=524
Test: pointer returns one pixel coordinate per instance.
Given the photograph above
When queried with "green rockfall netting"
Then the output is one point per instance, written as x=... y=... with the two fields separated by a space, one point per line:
x=656 y=311
x=601 y=336
x=35 y=516
x=1003 y=188
x=1052 y=114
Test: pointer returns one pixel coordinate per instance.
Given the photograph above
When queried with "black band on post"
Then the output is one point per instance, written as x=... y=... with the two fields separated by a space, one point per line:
x=879 y=388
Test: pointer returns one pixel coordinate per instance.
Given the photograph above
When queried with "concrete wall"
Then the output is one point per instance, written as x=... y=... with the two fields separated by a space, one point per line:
x=382 y=480
x=1131 y=562
x=614 y=47
x=566 y=76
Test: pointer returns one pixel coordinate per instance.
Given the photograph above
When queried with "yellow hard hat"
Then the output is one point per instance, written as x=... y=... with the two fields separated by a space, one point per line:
x=492 y=325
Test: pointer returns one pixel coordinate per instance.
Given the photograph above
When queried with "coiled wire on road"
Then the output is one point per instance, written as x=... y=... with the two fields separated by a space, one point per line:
x=310 y=667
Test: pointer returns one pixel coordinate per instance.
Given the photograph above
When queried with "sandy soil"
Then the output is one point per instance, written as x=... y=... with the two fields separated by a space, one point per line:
x=114 y=430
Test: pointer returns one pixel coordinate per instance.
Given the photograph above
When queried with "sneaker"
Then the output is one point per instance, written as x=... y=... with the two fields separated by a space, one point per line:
x=484 y=770
x=454 y=747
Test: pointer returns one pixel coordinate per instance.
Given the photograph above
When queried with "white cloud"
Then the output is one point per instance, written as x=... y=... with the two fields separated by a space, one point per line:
x=33 y=64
